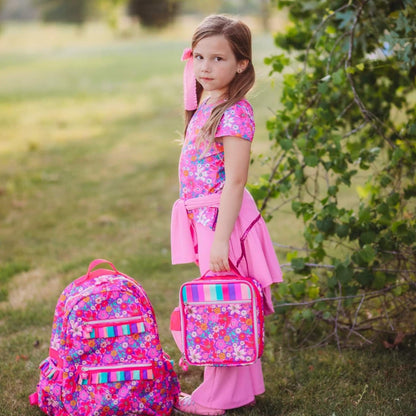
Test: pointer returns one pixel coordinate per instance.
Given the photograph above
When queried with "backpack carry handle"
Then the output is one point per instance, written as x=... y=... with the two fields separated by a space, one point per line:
x=96 y=262
x=93 y=273
x=233 y=268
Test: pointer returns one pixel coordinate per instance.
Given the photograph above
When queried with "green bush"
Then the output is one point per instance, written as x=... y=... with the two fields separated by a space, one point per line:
x=347 y=122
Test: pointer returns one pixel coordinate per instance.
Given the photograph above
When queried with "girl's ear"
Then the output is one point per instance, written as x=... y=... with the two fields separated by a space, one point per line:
x=242 y=65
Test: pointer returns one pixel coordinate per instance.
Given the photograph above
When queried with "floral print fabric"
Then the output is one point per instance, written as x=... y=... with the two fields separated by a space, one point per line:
x=201 y=165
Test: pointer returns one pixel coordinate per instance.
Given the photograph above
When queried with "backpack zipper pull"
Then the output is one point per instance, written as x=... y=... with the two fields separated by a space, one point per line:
x=183 y=364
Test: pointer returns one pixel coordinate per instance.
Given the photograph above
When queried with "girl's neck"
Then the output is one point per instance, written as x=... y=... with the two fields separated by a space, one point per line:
x=213 y=99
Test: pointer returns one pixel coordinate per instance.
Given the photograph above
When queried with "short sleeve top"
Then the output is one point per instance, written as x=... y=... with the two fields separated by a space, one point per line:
x=201 y=165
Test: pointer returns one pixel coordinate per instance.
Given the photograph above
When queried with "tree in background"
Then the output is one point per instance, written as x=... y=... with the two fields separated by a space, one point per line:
x=110 y=10
x=347 y=123
x=155 y=13
x=68 y=11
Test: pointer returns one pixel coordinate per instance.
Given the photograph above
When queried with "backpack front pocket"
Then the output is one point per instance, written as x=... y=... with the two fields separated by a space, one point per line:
x=115 y=373
x=111 y=390
x=115 y=327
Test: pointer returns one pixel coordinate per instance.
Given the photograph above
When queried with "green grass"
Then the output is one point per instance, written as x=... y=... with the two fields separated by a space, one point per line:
x=88 y=168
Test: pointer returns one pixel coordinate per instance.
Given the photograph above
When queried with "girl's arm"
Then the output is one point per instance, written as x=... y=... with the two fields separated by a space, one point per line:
x=236 y=163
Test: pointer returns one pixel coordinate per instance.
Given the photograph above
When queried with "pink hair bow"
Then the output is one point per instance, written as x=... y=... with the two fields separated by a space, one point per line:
x=189 y=81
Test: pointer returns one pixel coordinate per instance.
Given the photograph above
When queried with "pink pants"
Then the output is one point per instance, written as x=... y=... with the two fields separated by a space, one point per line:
x=224 y=387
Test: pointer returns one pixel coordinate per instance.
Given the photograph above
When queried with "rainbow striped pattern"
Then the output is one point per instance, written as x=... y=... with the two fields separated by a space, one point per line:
x=50 y=370
x=100 y=377
x=209 y=291
x=111 y=331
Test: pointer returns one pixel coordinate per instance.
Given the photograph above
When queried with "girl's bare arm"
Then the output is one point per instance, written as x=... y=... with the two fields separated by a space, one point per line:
x=236 y=163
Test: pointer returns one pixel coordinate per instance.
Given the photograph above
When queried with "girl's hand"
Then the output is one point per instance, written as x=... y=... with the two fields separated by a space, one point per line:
x=219 y=256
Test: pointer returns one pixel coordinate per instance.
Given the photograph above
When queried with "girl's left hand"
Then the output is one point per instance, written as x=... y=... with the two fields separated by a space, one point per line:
x=219 y=257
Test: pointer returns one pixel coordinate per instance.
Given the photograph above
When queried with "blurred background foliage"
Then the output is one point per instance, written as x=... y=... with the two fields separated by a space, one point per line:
x=155 y=13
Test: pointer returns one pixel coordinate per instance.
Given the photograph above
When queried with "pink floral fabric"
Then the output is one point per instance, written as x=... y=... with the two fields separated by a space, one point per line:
x=201 y=165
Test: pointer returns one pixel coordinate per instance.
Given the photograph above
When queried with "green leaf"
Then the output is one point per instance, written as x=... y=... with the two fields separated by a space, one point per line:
x=331 y=30
x=298 y=290
x=313 y=292
x=397 y=156
x=365 y=278
x=323 y=87
x=308 y=314
x=342 y=230
x=298 y=264
x=327 y=315
x=368 y=237
x=367 y=254
x=338 y=77
x=364 y=214
x=410 y=191
x=326 y=225
x=311 y=160
x=258 y=191
x=291 y=255
x=343 y=274
x=278 y=62
x=379 y=280
x=283 y=290
x=333 y=190
x=299 y=175
x=286 y=144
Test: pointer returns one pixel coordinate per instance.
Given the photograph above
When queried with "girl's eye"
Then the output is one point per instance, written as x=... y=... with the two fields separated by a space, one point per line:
x=199 y=57
x=218 y=58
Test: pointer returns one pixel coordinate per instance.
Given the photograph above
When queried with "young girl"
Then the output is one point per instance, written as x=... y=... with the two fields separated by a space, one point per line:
x=216 y=221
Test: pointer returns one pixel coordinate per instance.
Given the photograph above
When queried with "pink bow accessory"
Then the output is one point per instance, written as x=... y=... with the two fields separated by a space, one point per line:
x=189 y=81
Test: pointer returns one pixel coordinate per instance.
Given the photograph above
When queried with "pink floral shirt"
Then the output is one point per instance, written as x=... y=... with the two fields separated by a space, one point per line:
x=201 y=168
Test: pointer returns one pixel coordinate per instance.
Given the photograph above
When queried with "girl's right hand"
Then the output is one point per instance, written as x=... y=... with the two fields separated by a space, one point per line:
x=219 y=257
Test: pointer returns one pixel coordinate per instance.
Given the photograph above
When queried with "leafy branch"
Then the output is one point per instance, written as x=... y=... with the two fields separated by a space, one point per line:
x=347 y=113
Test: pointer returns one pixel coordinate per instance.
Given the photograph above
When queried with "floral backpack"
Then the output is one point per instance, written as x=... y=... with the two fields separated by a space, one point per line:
x=105 y=355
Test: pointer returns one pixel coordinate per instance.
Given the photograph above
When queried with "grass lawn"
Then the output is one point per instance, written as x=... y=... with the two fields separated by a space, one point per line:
x=89 y=124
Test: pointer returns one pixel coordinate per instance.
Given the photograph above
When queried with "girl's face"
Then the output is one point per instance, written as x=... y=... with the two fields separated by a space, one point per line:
x=215 y=65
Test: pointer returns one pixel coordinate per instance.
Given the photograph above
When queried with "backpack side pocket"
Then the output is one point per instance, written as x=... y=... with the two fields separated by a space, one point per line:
x=49 y=389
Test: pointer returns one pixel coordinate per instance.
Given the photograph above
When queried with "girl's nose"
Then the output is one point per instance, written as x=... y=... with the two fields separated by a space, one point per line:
x=205 y=66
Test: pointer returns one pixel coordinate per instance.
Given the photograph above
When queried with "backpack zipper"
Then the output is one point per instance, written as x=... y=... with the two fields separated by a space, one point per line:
x=109 y=328
x=115 y=367
x=137 y=318
x=115 y=373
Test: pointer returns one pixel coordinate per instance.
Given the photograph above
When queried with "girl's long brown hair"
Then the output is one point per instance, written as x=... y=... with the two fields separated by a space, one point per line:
x=239 y=37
